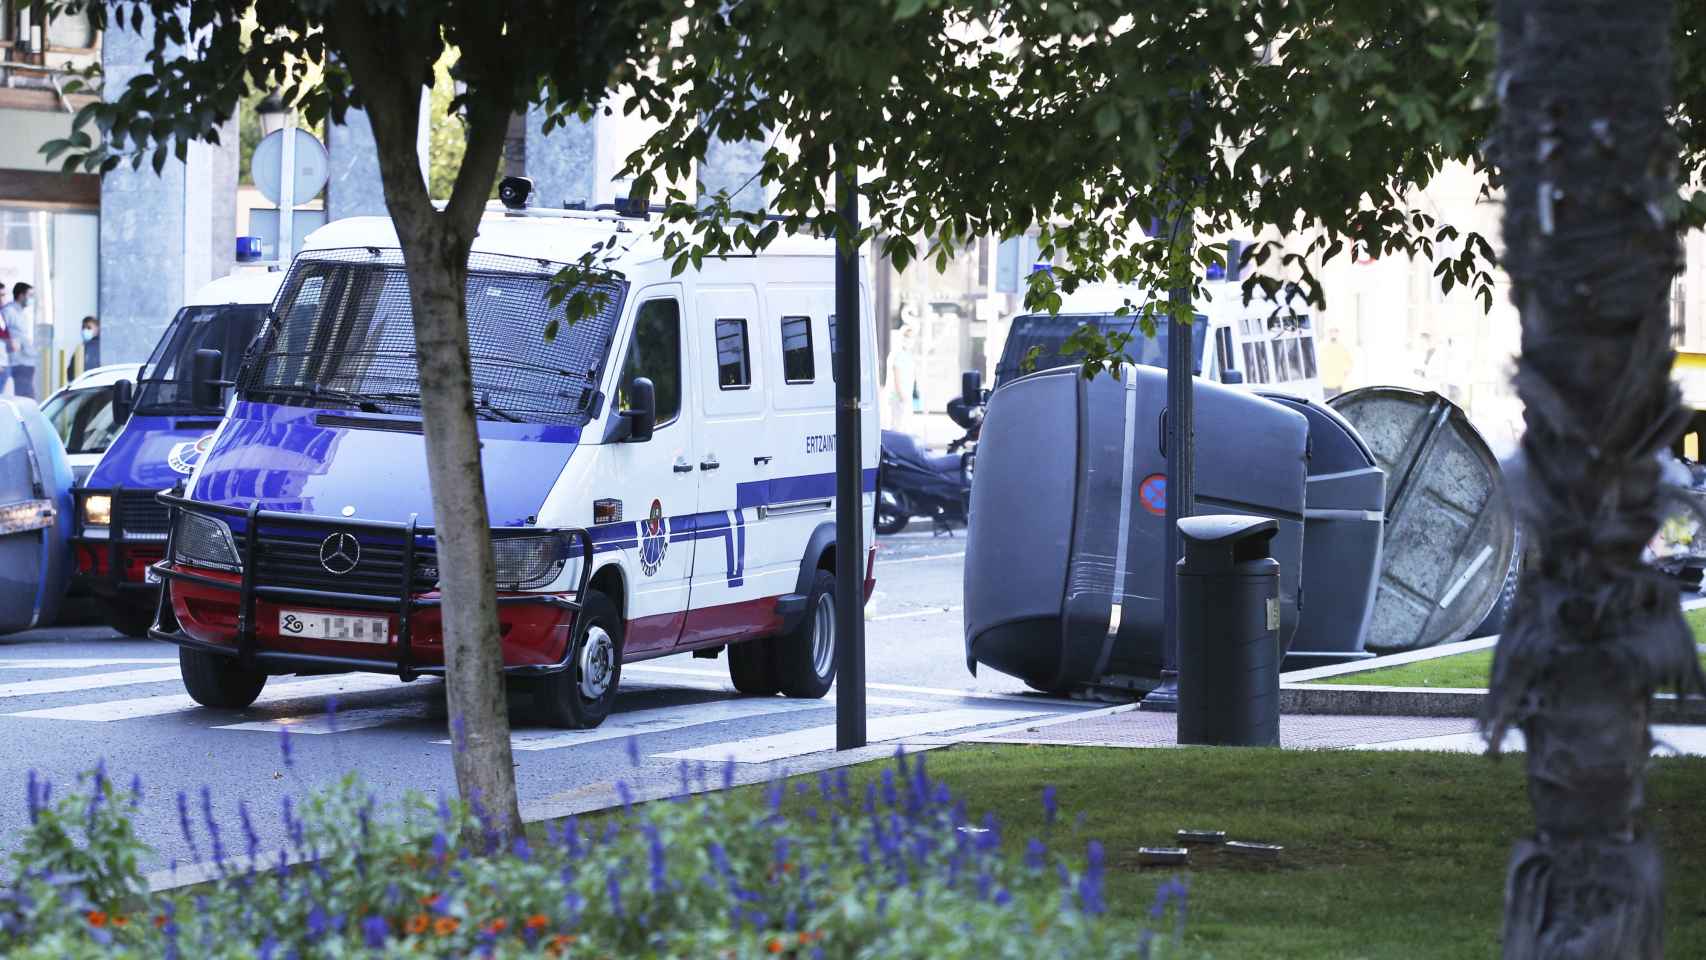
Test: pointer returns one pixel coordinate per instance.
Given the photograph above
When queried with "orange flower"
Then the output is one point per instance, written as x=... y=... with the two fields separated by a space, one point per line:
x=121 y=920
x=97 y=918
x=538 y=921
x=775 y=945
x=806 y=936
x=788 y=867
x=559 y=943
x=431 y=899
x=497 y=926
x=445 y=926
x=159 y=920
x=419 y=923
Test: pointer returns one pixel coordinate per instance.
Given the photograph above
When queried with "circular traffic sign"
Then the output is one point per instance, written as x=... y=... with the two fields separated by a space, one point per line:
x=310 y=163
x=1152 y=493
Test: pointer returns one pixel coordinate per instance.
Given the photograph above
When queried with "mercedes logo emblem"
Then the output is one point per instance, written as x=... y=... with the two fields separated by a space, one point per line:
x=339 y=553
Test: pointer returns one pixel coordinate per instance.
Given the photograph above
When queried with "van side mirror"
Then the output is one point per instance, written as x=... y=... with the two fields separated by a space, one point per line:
x=124 y=400
x=207 y=391
x=1231 y=377
x=642 y=411
x=971 y=387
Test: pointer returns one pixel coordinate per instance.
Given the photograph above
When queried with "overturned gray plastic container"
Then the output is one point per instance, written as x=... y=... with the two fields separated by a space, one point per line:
x=1343 y=532
x=1450 y=537
x=35 y=518
x=1065 y=554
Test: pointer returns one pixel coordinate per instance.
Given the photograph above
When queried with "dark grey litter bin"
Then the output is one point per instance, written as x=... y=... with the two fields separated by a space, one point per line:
x=1229 y=649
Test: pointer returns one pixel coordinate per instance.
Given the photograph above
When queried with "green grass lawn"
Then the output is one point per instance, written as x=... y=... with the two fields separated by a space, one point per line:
x=1464 y=669
x=1387 y=855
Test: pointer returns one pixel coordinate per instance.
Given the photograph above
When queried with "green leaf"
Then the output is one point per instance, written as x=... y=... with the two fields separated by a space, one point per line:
x=1107 y=120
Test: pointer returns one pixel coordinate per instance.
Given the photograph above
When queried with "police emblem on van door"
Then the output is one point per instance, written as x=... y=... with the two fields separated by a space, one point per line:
x=184 y=456
x=653 y=543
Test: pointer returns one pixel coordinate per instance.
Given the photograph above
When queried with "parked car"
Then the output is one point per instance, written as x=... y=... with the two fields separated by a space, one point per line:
x=35 y=517
x=82 y=414
x=659 y=474
x=167 y=423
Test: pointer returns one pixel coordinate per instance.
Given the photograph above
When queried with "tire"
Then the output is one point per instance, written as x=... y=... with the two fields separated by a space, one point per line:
x=805 y=658
x=130 y=619
x=580 y=697
x=218 y=681
x=752 y=668
x=891 y=517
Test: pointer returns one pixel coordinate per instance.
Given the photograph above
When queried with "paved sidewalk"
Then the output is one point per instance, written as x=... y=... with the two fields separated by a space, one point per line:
x=1127 y=727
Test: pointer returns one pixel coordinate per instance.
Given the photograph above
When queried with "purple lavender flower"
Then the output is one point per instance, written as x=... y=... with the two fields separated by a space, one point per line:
x=318 y=922
x=776 y=793
x=135 y=791
x=212 y=824
x=720 y=859
x=522 y=851
x=269 y=948
x=1034 y=853
x=686 y=778
x=624 y=794
x=459 y=732
x=659 y=862
x=30 y=788
x=1050 y=809
x=1002 y=897
x=249 y=834
x=332 y=714
x=613 y=887
x=375 y=932
x=634 y=751
x=184 y=824
x=889 y=796
x=1090 y=884
x=728 y=773
x=284 y=747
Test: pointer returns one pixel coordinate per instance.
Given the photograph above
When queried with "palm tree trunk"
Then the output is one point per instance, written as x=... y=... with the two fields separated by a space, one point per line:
x=1588 y=162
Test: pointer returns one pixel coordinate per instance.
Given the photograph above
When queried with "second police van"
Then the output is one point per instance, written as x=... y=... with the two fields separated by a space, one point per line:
x=659 y=475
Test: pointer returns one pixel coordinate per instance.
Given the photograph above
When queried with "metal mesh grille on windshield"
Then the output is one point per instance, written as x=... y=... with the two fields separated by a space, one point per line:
x=343 y=336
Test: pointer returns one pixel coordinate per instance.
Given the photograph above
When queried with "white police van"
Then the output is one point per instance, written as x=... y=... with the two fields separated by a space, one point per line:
x=660 y=474
x=1267 y=344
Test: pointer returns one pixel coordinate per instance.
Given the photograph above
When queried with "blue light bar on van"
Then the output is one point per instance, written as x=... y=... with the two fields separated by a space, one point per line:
x=248 y=249
x=1215 y=271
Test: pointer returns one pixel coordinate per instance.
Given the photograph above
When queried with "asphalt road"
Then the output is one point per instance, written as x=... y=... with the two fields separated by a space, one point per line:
x=73 y=696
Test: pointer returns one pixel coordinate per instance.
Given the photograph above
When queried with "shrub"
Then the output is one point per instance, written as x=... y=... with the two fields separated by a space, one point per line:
x=817 y=870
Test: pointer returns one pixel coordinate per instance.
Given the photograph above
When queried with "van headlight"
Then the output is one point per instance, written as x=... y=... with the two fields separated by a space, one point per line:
x=528 y=563
x=204 y=542
x=97 y=510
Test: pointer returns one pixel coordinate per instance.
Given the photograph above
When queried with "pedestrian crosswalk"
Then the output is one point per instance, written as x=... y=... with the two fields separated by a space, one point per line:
x=690 y=711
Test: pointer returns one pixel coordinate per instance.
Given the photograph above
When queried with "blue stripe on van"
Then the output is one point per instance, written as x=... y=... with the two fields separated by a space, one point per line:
x=728 y=526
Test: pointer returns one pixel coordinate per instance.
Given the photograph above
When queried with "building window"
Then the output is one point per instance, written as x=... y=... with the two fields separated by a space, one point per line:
x=734 y=364
x=797 y=366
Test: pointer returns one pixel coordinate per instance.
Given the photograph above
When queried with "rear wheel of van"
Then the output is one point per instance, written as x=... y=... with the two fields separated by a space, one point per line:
x=805 y=657
x=129 y=618
x=581 y=696
x=752 y=667
x=218 y=681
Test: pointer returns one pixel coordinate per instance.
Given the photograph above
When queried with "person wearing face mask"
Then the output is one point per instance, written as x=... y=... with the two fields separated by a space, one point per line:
x=87 y=356
x=21 y=340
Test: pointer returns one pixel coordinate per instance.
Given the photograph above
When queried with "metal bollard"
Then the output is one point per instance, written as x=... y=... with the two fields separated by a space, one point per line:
x=1229 y=619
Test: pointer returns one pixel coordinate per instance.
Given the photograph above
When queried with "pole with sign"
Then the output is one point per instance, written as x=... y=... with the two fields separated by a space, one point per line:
x=292 y=149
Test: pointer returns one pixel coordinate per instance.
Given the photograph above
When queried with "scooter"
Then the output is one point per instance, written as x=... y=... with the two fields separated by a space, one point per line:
x=912 y=481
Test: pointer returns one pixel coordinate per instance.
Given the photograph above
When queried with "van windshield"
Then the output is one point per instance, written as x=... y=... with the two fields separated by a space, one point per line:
x=1048 y=334
x=343 y=335
x=165 y=386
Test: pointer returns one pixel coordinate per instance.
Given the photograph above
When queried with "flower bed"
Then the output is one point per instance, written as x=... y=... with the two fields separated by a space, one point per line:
x=896 y=869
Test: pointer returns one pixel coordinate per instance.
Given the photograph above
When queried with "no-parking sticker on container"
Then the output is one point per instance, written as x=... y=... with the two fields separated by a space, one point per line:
x=1152 y=493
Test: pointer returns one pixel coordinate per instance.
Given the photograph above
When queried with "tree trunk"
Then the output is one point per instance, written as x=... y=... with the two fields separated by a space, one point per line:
x=380 y=51
x=1588 y=163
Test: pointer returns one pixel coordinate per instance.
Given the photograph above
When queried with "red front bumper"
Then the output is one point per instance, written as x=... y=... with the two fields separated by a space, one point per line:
x=533 y=634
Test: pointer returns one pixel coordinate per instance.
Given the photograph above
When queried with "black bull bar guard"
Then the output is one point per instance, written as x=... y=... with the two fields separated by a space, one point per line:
x=401 y=601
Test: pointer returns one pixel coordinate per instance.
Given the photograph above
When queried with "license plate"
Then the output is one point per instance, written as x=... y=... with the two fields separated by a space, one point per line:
x=332 y=626
x=150 y=575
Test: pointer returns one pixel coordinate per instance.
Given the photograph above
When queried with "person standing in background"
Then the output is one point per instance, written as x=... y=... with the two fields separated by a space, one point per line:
x=1335 y=365
x=21 y=340
x=5 y=347
x=87 y=356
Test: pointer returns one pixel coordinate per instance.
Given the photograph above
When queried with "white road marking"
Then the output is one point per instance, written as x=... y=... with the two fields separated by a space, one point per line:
x=798 y=743
x=916 y=612
x=275 y=692
x=76 y=663
x=659 y=720
x=973 y=695
x=86 y=681
x=343 y=721
x=881 y=563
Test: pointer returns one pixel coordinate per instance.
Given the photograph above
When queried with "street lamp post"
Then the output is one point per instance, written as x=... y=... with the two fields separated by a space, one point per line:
x=849 y=480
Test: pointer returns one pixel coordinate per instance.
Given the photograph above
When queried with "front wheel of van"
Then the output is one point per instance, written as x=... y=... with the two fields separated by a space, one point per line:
x=217 y=681
x=581 y=696
x=805 y=658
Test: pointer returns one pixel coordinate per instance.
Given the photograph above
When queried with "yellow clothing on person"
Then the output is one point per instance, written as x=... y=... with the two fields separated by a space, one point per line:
x=1335 y=365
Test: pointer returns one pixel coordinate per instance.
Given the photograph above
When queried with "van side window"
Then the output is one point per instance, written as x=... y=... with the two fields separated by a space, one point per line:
x=655 y=352
x=734 y=364
x=797 y=364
